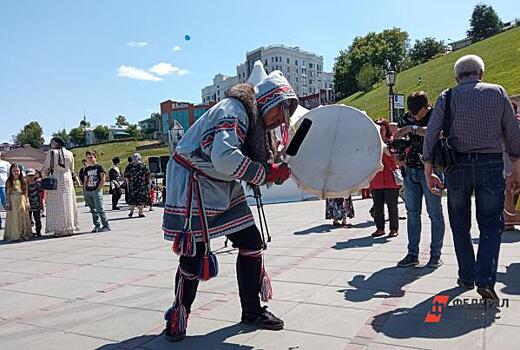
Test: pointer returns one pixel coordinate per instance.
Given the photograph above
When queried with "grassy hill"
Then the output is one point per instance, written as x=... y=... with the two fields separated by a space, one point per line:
x=107 y=151
x=501 y=54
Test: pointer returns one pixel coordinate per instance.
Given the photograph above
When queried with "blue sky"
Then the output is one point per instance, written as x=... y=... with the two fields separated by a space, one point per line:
x=109 y=57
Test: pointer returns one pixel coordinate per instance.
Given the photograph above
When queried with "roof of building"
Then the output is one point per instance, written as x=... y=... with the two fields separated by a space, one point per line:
x=28 y=156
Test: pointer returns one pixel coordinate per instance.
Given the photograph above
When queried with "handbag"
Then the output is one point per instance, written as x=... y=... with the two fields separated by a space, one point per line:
x=444 y=156
x=50 y=183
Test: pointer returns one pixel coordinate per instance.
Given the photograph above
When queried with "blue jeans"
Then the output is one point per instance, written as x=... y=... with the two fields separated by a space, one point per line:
x=481 y=174
x=414 y=190
x=3 y=200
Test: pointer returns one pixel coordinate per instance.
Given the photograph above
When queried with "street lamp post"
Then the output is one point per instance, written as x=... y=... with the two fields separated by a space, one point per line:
x=390 y=82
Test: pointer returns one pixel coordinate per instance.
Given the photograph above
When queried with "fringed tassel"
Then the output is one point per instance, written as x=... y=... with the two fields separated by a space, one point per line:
x=208 y=267
x=184 y=244
x=178 y=319
x=266 y=289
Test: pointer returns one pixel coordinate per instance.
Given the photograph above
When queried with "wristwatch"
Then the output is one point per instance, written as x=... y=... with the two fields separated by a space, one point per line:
x=414 y=128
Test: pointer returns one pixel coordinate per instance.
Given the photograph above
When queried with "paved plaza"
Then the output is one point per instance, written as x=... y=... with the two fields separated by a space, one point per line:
x=335 y=288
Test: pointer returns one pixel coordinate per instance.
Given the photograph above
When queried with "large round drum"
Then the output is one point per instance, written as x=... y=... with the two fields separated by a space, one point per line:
x=341 y=153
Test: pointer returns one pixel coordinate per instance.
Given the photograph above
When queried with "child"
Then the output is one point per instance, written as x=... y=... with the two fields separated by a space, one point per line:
x=17 y=223
x=43 y=194
x=93 y=180
x=35 y=200
x=153 y=190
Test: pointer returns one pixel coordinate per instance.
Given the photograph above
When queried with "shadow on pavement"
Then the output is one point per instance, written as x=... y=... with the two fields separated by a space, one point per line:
x=214 y=340
x=511 y=279
x=361 y=242
x=455 y=320
x=45 y=237
x=387 y=282
x=365 y=224
x=323 y=228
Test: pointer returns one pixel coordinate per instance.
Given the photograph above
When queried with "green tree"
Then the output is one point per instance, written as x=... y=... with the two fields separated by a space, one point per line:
x=63 y=134
x=382 y=51
x=84 y=124
x=134 y=131
x=121 y=120
x=426 y=49
x=77 y=136
x=31 y=134
x=484 y=23
x=101 y=133
x=366 y=77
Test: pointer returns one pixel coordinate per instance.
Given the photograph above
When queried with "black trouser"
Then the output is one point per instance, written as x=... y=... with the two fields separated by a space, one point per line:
x=390 y=197
x=248 y=270
x=116 y=195
x=35 y=216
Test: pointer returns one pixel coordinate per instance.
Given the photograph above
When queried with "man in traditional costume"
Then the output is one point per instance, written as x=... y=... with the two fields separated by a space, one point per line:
x=232 y=142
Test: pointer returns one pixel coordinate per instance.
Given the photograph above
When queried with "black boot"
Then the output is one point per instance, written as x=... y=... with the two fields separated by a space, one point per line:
x=262 y=318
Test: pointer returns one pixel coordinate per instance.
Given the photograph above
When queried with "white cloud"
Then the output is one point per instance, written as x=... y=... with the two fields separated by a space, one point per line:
x=182 y=72
x=137 y=44
x=136 y=73
x=163 y=69
x=176 y=48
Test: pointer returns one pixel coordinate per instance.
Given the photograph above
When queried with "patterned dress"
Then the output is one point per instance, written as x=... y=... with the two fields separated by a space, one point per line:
x=138 y=176
x=339 y=208
x=62 y=212
x=17 y=223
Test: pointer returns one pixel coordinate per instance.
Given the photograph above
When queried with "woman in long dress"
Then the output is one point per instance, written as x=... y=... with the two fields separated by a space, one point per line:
x=340 y=210
x=138 y=179
x=62 y=212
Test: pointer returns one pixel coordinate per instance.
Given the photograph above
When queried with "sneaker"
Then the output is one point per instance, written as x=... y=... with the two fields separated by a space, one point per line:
x=409 y=260
x=263 y=319
x=488 y=294
x=435 y=261
x=378 y=233
x=465 y=285
x=105 y=229
x=96 y=229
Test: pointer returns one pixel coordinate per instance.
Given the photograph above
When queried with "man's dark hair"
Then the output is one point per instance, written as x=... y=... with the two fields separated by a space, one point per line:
x=116 y=160
x=129 y=159
x=91 y=153
x=417 y=100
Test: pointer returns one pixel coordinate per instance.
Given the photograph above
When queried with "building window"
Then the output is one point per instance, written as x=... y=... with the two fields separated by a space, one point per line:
x=304 y=70
x=287 y=60
x=296 y=79
x=272 y=59
x=303 y=63
x=276 y=59
x=318 y=67
x=310 y=81
x=296 y=63
x=311 y=65
x=296 y=70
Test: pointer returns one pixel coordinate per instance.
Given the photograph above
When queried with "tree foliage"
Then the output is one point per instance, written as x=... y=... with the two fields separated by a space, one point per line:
x=133 y=130
x=424 y=50
x=77 y=136
x=101 y=133
x=121 y=120
x=382 y=51
x=366 y=77
x=31 y=134
x=484 y=23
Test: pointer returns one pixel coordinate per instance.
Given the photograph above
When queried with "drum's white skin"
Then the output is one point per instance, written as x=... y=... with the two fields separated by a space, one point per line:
x=340 y=154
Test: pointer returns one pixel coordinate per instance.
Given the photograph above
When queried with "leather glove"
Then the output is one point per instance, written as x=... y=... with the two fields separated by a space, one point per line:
x=278 y=173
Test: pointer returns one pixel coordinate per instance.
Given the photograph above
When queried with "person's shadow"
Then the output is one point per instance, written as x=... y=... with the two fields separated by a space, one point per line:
x=384 y=283
x=323 y=228
x=507 y=237
x=361 y=242
x=511 y=278
x=454 y=321
x=214 y=340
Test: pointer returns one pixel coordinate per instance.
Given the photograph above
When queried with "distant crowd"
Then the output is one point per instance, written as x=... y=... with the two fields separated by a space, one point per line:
x=30 y=194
